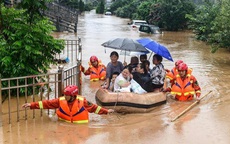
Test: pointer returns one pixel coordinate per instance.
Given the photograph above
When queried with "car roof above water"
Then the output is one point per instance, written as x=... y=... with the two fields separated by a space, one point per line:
x=143 y=21
x=149 y=28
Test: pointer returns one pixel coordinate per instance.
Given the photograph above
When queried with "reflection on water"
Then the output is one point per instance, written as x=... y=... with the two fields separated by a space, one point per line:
x=208 y=122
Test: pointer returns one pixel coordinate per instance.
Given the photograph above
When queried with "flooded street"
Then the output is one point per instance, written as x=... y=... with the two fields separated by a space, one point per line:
x=207 y=122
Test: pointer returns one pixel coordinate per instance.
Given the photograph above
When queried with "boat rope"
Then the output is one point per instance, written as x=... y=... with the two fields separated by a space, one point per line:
x=116 y=101
x=119 y=117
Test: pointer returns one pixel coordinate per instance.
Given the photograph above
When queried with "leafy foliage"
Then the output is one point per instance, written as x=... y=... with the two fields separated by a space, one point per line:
x=26 y=46
x=118 y=4
x=88 y=7
x=221 y=28
x=170 y=14
x=201 y=20
x=210 y=23
x=143 y=10
x=100 y=7
x=129 y=10
x=81 y=6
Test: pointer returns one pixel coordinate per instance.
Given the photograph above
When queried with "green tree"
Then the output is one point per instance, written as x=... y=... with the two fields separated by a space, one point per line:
x=88 y=7
x=81 y=6
x=170 y=14
x=100 y=7
x=128 y=10
x=210 y=23
x=118 y=4
x=143 y=10
x=26 y=44
x=221 y=29
x=201 y=21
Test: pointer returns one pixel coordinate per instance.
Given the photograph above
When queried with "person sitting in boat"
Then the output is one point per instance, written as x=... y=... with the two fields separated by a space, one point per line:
x=112 y=80
x=141 y=76
x=113 y=66
x=125 y=83
x=71 y=107
x=174 y=71
x=185 y=85
x=122 y=82
x=157 y=73
x=134 y=61
x=147 y=65
x=143 y=58
x=96 y=70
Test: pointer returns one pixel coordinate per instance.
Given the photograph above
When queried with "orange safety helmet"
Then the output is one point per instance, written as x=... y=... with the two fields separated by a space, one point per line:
x=93 y=59
x=178 y=62
x=71 y=90
x=182 y=67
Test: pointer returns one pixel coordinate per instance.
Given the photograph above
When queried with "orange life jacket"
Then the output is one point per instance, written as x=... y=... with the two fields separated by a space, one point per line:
x=174 y=72
x=171 y=73
x=183 y=89
x=78 y=114
x=98 y=73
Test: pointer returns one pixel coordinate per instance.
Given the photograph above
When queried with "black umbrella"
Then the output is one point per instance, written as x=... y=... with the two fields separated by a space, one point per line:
x=125 y=44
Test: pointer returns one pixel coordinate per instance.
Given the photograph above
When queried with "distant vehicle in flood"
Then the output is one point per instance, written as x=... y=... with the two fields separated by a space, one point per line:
x=108 y=13
x=151 y=29
x=137 y=23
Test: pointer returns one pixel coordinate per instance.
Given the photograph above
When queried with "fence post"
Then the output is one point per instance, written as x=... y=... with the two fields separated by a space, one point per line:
x=79 y=60
x=0 y=101
x=60 y=80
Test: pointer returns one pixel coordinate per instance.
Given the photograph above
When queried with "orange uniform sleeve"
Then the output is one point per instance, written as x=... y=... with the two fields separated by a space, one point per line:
x=171 y=74
x=196 y=85
x=104 y=67
x=45 y=104
x=88 y=71
x=94 y=108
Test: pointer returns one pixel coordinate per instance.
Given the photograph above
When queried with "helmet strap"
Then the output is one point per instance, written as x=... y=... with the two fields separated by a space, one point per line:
x=72 y=99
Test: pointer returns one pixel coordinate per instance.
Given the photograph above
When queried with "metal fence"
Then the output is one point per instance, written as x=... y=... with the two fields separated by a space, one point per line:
x=19 y=90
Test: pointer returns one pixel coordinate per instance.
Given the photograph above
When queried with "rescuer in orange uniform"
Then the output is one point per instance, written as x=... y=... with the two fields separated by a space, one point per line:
x=174 y=71
x=70 y=108
x=184 y=85
x=96 y=70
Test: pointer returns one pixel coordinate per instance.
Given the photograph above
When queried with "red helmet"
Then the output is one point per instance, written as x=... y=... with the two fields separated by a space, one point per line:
x=178 y=62
x=93 y=59
x=182 y=66
x=71 y=90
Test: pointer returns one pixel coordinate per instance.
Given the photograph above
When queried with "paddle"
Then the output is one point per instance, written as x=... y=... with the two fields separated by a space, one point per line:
x=190 y=107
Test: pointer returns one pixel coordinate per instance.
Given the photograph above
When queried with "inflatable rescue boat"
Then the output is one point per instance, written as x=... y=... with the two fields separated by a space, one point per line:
x=129 y=102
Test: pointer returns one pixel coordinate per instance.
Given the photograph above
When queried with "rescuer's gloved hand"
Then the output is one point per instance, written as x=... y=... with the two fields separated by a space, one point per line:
x=110 y=111
x=82 y=69
x=166 y=90
x=198 y=97
x=167 y=70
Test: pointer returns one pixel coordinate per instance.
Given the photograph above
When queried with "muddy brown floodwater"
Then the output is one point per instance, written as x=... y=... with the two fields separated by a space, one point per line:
x=208 y=122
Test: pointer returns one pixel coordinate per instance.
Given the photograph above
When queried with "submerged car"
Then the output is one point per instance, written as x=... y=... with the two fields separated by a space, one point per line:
x=137 y=23
x=108 y=13
x=151 y=29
